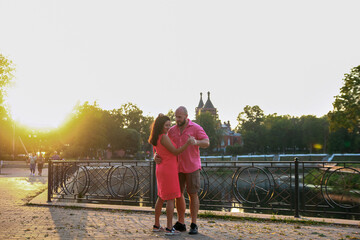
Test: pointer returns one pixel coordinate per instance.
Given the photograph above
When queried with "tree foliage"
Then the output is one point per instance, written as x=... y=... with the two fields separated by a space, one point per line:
x=251 y=126
x=6 y=74
x=345 y=117
x=131 y=116
x=211 y=127
x=346 y=113
x=281 y=134
x=91 y=130
x=6 y=129
x=85 y=133
x=171 y=115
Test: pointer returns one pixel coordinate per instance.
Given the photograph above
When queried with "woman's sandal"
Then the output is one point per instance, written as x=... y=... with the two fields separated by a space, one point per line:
x=158 y=228
x=172 y=231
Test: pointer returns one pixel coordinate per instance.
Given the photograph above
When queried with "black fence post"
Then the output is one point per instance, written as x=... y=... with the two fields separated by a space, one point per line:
x=296 y=160
x=50 y=182
x=153 y=183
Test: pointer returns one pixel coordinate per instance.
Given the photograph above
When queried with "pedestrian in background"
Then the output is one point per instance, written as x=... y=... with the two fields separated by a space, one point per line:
x=32 y=159
x=40 y=164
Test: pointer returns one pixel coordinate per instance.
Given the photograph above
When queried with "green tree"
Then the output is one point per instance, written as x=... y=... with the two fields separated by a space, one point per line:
x=86 y=132
x=133 y=116
x=130 y=116
x=251 y=127
x=340 y=141
x=7 y=69
x=212 y=128
x=234 y=150
x=131 y=140
x=314 y=132
x=90 y=130
x=279 y=133
x=171 y=115
x=251 y=116
x=346 y=114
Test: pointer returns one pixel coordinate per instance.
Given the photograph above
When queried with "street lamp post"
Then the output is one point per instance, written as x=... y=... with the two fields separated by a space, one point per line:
x=13 y=142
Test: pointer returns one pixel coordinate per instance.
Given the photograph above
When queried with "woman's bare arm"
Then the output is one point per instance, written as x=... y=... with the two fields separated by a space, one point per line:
x=166 y=142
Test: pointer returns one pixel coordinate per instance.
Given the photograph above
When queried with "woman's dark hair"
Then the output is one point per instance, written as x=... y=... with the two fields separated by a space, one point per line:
x=157 y=128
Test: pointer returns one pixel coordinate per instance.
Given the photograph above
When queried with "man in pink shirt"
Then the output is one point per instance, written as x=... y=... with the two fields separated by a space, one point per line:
x=189 y=166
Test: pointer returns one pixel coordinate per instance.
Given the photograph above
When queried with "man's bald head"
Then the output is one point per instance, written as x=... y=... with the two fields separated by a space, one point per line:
x=181 y=115
x=182 y=109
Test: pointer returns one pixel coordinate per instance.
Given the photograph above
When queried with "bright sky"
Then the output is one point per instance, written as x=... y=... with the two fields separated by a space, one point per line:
x=288 y=57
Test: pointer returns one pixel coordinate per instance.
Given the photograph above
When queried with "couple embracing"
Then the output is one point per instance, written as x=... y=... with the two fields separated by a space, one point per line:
x=178 y=166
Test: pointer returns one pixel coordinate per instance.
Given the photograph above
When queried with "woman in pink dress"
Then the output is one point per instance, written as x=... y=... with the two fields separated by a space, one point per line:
x=166 y=172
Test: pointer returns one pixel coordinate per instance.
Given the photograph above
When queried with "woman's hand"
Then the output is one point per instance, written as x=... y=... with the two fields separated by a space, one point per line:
x=157 y=158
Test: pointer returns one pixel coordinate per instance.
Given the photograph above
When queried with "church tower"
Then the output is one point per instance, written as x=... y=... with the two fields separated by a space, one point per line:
x=200 y=106
x=208 y=107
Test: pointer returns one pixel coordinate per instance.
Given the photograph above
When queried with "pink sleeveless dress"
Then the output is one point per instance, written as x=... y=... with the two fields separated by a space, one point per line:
x=167 y=173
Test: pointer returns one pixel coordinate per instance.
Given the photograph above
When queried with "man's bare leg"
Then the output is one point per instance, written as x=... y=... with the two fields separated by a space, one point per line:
x=194 y=206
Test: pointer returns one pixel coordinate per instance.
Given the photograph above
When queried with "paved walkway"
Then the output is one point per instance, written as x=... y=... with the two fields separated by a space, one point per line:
x=18 y=220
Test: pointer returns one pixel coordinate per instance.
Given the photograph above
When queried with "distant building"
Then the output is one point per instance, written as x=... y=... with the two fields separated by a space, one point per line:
x=229 y=137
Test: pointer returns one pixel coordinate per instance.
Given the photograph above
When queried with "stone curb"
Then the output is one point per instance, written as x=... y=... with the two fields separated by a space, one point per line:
x=41 y=200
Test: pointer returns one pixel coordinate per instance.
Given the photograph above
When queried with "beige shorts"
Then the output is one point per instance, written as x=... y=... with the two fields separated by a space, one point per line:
x=191 y=181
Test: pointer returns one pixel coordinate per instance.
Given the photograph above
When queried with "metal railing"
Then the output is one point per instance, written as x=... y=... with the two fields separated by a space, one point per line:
x=288 y=187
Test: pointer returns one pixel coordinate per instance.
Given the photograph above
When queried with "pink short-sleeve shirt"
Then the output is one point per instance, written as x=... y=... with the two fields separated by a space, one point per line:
x=189 y=160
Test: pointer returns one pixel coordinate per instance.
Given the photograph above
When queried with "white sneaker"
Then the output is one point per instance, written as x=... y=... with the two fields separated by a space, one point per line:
x=172 y=232
x=158 y=229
